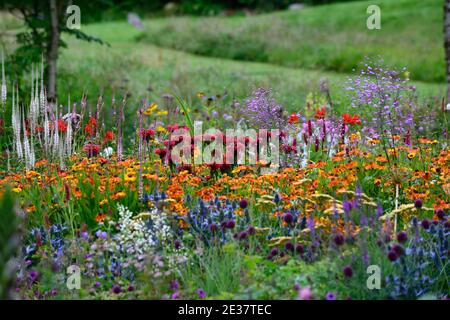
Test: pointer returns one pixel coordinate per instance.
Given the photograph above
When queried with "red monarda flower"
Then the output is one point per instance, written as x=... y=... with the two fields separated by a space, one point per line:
x=293 y=118
x=93 y=122
x=89 y=130
x=348 y=119
x=91 y=149
x=147 y=134
x=62 y=126
x=109 y=136
x=320 y=113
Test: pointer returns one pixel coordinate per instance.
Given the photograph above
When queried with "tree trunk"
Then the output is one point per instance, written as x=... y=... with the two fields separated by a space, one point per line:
x=52 y=51
x=447 y=44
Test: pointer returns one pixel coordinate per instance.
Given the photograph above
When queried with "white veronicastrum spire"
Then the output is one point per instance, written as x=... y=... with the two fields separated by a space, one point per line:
x=42 y=98
x=16 y=124
x=36 y=93
x=55 y=133
x=46 y=132
x=4 y=91
x=26 y=142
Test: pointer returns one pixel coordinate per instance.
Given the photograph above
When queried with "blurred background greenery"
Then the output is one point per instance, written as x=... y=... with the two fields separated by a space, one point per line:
x=231 y=47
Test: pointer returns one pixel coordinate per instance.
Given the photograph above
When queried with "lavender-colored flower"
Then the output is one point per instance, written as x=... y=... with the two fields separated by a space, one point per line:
x=34 y=275
x=101 y=234
x=263 y=111
x=174 y=285
x=305 y=294
x=330 y=296
x=201 y=293
x=175 y=295
x=135 y=21
x=347 y=206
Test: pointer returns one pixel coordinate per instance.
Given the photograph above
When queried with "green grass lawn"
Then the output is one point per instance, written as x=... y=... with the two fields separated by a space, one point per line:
x=328 y=37
x=133 y=66
x=301 y=48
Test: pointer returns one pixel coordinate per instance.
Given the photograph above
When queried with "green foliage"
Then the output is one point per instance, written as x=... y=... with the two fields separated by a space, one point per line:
x=217 y=270
x=9 y=243
x=321 y=37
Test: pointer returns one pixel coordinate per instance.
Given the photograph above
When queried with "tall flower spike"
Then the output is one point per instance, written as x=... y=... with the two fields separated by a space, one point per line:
x=120 y=119
x=4 y=91
x=16 y=124
x=42 y=98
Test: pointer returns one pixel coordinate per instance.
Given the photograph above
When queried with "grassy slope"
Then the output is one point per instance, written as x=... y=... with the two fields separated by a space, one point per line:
x=128 y=65
x=329 y=37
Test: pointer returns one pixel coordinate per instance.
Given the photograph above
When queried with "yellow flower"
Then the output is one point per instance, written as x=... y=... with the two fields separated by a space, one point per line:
x=17 y=190
x=162 y=113
x=200 y=94
x=151 y=108
x=103 y=202
x=160 y=129
x=30 y=209
x=411 y=155
x=130 y=177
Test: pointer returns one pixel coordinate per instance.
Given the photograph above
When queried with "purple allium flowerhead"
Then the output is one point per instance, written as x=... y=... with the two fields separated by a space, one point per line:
x=348 y=271
x=392 y=256
x=213 y=227
x=402 y=237
x=338 y=239
x=330 y=296
x=274 y=251
x=116 y=289
x=251 y=230
x=201 y=293
x=177 y=244
x=231 y=224
x=34 y=275
x=426 y=224
x=289 y=246
x=398 y=249
x=297 y=287
x=418 y=203
x=299 y=248
x=174 y=285
x=130 y=288
x=243 y=203
x=243 y=235
x=288 y=218
x=85 y=235
x=97 y=284
x=440 y=214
